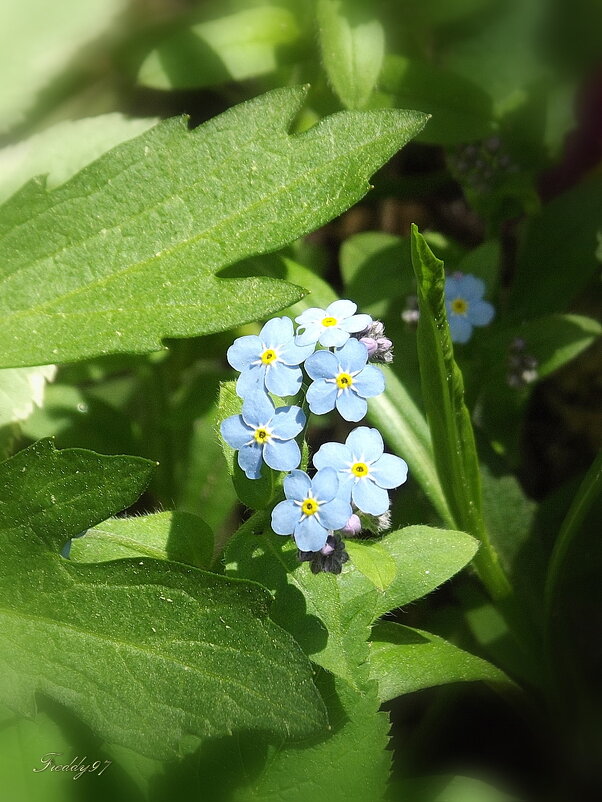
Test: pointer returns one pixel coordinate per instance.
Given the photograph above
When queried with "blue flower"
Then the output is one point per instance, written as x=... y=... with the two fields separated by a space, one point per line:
x=331 y=326
x=270 y=359
x=465 y=306
x=263 y=431
x=365 y=473
x=311 y=509
x=343 y=379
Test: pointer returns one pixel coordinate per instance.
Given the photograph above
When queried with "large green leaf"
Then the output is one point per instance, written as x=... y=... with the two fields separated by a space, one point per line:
x=91 y=635
x=237 y=47
x=403 y=660
x=147 y=226
x=352 y=44
x=36 y=46
x=449 y=420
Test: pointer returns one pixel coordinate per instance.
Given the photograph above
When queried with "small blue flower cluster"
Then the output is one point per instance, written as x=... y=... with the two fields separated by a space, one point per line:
x=353 y=476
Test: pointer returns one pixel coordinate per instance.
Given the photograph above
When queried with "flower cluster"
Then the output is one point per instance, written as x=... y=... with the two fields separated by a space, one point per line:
x=334 y=346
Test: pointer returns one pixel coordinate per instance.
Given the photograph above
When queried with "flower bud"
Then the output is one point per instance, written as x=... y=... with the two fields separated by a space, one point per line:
x=380 y=348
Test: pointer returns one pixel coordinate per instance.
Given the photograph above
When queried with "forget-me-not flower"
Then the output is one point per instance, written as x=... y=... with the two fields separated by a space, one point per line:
x=263 y=432
x=465 y=305
x=269 y=360
x=365 y=473
x=331 y=327
x=312 y=508
x=343 y=379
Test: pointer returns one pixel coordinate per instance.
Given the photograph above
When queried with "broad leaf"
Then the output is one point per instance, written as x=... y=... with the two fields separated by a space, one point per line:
x=237 y=47
x=404 y=660
x=149 y=224
x=35 y=46
x=373 y=561
x=461 y=111
x=449 y=421
x=177 y=536
x=64 y=149
x=352 y=45
x=85 y=634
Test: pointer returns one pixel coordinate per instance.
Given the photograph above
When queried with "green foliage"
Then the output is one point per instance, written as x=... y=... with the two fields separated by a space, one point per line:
x=149 y=224
x=21 y=389
x=403 y=660
x=200 y=636
x=352 y=44
x=236 y=47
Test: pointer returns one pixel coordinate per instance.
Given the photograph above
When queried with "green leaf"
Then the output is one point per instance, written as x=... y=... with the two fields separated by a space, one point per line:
x=21 y=390
x=373 y=561
x=404 y=660
x=35 y=46
x=255 y=493
x=177 y=536
x=149 y=224
x=565 y=233
x=64 y=149
x=234 y=48
x=461 y=111
x=404 y=428
x=84 y=635
x=449 y=420
x=352 y=43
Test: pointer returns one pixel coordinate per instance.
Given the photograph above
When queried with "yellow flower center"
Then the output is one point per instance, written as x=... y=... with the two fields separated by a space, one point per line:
x=360 y=469
x=269 y=356
x=344 y=380
x=310 y=506
x=459 y=306
x=329 y=321
x=261 y=436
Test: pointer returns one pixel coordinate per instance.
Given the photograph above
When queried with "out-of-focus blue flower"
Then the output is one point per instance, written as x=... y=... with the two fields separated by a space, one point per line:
x=465 y=305
x=332 y=326
x=264 y=432
x=311 y=509
x=365 y=473
x=343 y=379
x=270 y=359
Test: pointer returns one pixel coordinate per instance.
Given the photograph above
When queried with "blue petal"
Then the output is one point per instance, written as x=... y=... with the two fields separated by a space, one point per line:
x=308 y=334
x=322 y=365
x=257 y=409
x=340 y=309
x=250 y=381
x=287 y=422
x=480 y=313
x=389 y=471
x=234 y=431
x=325 y=485
x=297 y=485
x=369 y=382
x=243 y=351
x=283 y=379
x=351 y=406
x=321 y=396
x=353 y=355
x=452 y=289
x=311 y=315
x=282 y=455
x=276 y=331
x=369 y=497
x=249 y=459
x=293 y=354
x=470 y=287
x=284 y=517
x=333 y=336
x=356 y=323
x=336 y=513
x=332 y=455
x=460 y=329
x=365 y=444
x=309 y=534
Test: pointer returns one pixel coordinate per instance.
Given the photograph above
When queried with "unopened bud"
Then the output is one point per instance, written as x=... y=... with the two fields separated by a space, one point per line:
x=353 y=526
